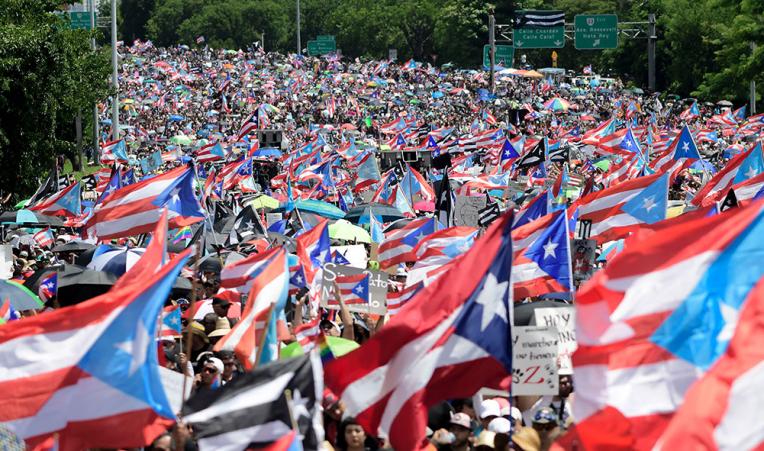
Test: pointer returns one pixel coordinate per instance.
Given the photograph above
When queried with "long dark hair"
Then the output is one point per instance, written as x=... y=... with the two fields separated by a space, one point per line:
x=342 y=444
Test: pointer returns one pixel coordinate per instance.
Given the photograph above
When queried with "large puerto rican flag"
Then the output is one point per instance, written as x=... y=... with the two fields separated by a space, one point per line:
x=660 y=316
x=620 y=209
x=542 y=256
x=740 y=168
x=63 y=203
x=450 y=340
x=89 y=373
x=399 y=244
x=135 y=209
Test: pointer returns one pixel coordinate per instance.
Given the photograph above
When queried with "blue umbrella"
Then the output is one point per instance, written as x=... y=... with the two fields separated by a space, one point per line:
x=318 y=207
x=176 y=118
x=267 y=152
x=703 y=165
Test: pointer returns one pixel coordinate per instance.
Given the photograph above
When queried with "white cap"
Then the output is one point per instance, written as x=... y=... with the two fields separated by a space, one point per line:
x=516 y=414
x=499 y=425
x=489 y=408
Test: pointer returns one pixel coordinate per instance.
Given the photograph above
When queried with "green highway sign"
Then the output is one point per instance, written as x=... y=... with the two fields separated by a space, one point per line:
x=318 y=48
x=79 y=20
x=325 y=38
x=595 y=32
x=504 y=55
x=539 y=38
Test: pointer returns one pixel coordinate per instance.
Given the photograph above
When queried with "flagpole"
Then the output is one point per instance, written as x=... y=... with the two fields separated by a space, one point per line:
x=267 y=326
x=570 y=259
x=189 y=335
x=288 y=396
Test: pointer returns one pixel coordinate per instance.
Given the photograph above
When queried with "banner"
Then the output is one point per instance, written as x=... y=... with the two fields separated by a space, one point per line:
x=534 y=361
x=377 y=289
x=564 y=320
x=467 y=210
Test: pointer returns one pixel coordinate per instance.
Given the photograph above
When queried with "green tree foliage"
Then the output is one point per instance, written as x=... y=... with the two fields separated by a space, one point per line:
x=47 y=74
x=135 y=13
x=703 y=46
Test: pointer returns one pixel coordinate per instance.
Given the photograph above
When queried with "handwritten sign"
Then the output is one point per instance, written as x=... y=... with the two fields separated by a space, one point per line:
x=564 y=320
x=377 y=289
x=467 y=210
x=534 y=361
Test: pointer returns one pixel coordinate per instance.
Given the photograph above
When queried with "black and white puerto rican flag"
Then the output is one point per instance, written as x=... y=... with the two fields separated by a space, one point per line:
x=539 y=18
x=252 y=411
x=532 y=158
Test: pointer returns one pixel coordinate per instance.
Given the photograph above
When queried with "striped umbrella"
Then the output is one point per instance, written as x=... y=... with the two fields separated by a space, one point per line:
x=556 y=104
x=117 y=261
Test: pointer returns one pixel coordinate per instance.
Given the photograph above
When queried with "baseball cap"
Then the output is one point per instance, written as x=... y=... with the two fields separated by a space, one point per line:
x=461 y=419
x=486 y=439
x=220 y=301
x=489 y=408
x=500 y=425
x=545 y=415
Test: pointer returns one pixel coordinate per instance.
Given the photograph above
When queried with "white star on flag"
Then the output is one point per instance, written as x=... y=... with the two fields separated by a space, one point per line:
x=751 y=172
x=549 y=249
x=686 y=146
x=491 y=297
x=649 y=203
x=137 y=347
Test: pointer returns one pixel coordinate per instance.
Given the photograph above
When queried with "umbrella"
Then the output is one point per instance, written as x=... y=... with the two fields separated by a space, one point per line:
x=524 y=315
x=117 y=261
x=395 y=225
x=724 y=103
x=20 y=296
x=318 y=207
x=556 y=104
x=211 y=263
x=267 y=152
x=73 y=246
x=385 y=213
x=338 y=346
x=21 y=204
x=344 y=230
x=29 y=217
x=183 y=140
x=424 y=205
x=264 y=201
x=75 y=283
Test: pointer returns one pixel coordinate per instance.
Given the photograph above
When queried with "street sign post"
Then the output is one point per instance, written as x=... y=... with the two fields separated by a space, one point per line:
x=318 y=48
x=79 y=20
x=505 y=54
x=539 y=38
x=596 y=32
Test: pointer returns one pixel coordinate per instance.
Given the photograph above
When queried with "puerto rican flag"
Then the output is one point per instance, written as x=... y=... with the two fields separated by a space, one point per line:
x=313 y=249
x=114 y=151
x=396 y=300
x=307 y=334
x=257 y=327
x=541 y=261
x=65 y=203
x=136 y=208
x=668 y=312
x=399 y=244
x=682 y=150
x=171 y=324
x=354 y=289
x=210 y=152
x=44 y=237
x=740 y=168
x=690 y=113
x=105 y=390
x=240 y=275
x=432 y=351
x=437 y=250
x=618 y=210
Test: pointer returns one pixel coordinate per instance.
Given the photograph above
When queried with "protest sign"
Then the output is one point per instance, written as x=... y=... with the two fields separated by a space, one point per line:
x=564 y=320
x=272 y=218
x=172 y=381
x=534 y=361
x=467 y=210
x=377 y=289
x=355 y=254
x=583 y=259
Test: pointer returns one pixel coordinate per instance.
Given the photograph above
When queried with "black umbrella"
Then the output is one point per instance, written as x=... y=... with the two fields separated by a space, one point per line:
x=524 y=315
x=84 y=258
x=387 y=213
x=73 y=246
x=75 y=283
x=211 y=263
x=395 y=225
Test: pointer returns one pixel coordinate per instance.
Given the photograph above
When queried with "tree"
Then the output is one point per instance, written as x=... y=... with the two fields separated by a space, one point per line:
x=135 y=14
x=47 y=74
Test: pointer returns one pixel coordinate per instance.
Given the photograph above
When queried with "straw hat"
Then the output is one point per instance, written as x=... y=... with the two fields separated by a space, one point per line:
x=222 y=327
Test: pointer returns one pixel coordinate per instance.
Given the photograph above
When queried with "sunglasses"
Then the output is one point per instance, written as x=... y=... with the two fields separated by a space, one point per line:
x=210 y=370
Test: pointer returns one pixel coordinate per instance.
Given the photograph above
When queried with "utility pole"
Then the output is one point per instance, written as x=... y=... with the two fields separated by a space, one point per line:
x=492 y=43
x=91 y=5
x=651 y=38
x=114 y=76
x=299 y=42
x=752 y=94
